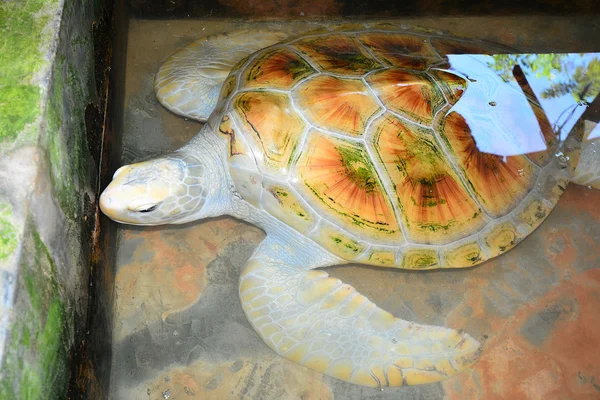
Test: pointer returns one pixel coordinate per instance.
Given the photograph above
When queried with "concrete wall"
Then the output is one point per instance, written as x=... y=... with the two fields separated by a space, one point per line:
x=51 y=108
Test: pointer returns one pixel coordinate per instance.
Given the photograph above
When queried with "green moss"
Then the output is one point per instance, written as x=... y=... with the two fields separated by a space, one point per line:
x=66 y=140
x=8 y=232
x=22 y=24
x=41 y=330
x=49 y=342
x=31 y=385
x=34 y=296
x=19 y=106
x=21 y=58
x=36 y=361
x=26 y=337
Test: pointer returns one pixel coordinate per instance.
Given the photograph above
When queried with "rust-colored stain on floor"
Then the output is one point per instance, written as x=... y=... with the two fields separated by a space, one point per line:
x=550 y=347
x=238 y=379
x=181 y=332
x=164 y=270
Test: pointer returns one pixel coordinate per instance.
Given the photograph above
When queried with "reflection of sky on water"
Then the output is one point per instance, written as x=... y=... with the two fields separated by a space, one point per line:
x=498 y=114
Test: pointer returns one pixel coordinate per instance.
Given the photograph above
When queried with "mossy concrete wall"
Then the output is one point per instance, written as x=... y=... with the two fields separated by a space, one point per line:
x=49 y=97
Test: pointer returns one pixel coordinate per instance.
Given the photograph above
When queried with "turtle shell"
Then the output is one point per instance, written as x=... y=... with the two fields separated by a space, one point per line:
x=375 y=144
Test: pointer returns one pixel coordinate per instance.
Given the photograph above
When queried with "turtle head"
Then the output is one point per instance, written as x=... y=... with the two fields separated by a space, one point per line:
x=169 y=190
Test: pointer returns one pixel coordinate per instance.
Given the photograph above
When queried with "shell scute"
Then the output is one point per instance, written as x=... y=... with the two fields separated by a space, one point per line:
x=498 y=182
x=341 y=181
x=436 y=207
x=358 y=138
x=228 y=86
x=338 y=241
x=282 y=202
x=400 y=49
x=338 y=53
x=452 y=85
x=386 y=26
x=380 y=257
x=248 y=183
x=279 y=69
x=347 y=27
x=336 y=104
x=272 y=123
x=420 y=258
x=462 y=254
x=236 y=146
x=500 y=237
x=410 y=94
x=530 y=213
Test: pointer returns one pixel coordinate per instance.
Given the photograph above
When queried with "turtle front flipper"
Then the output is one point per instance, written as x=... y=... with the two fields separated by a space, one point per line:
x=190 y=81
x=323 y=324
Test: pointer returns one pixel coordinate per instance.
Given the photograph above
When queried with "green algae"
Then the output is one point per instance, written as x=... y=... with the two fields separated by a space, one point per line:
x=8 y=232
x=21 y=57
x=44 y=92
x=22 y=108
x=61 y=171
x=66 y=141
x=36 y=359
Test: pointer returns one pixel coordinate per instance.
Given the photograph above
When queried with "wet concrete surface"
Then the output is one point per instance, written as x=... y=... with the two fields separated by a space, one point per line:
x=180 y=331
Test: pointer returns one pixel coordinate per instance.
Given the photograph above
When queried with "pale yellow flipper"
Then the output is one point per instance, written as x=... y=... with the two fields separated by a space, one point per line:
x=323 y=324
x=190 y=81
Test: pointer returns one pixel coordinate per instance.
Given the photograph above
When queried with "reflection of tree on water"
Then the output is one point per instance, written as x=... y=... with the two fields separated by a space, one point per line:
x=577 y=75
x=510 y=97
x=569 y=73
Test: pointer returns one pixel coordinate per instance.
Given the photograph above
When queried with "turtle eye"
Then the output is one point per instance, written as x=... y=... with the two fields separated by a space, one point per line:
x=146 y=209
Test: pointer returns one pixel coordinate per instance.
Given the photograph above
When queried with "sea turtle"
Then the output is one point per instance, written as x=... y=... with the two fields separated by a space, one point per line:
x=353 y=144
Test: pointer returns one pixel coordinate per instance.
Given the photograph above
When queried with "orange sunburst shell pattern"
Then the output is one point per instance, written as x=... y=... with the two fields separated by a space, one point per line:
x=499 y=184
x=272 y=123
x=340 y=105
x=340 y=54
x=408 y=93
x=436 y=207
x=452 y=85
x=279 y=69
x=400 y=50
x=342 y=182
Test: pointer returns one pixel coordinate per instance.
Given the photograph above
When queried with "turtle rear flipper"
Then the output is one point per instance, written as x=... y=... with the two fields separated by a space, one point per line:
x=323 y=324
x=190 y=81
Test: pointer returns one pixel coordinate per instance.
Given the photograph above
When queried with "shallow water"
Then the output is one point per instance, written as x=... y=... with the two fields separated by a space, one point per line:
x=180 y=331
